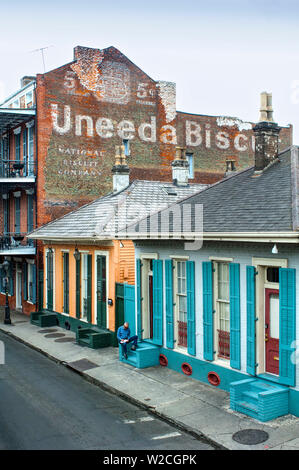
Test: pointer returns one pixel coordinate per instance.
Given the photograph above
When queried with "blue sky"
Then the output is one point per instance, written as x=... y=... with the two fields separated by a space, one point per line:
x=221 y=54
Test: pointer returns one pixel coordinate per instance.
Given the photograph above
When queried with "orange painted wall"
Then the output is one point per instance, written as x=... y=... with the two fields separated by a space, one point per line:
x=120 y=269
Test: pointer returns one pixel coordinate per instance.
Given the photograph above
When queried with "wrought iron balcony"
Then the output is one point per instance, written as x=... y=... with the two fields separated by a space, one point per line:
x=21 y=170
x=16 y=243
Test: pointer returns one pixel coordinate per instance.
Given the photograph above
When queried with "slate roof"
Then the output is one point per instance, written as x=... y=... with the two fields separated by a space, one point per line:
x=245 y=202
x=103 y=217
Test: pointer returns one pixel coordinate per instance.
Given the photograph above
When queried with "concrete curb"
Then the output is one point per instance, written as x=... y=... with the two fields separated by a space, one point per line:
x=114 y=391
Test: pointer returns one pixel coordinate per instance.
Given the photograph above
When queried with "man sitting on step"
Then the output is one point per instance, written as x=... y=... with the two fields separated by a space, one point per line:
x=124 y=337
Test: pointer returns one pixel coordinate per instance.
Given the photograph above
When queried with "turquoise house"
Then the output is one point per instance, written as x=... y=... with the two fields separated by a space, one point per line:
x=219 y=304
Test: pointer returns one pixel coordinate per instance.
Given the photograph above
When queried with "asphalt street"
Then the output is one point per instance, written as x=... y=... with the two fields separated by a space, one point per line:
x=44 y=405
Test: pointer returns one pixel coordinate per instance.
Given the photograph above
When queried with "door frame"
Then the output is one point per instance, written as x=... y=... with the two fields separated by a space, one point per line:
x=145 y=320
x=268 y=292
x=96 y=254
x=261 y=264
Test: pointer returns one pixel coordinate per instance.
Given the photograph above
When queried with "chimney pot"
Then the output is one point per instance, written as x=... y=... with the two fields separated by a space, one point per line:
x=120 y=170
x=180 y=167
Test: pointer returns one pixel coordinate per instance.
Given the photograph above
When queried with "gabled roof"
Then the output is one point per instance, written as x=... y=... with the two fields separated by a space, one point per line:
x=105 y=216
x=244 y=203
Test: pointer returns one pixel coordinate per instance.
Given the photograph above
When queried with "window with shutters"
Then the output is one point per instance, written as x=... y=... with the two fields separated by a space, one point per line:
x=6 y=215
x=181 y=303
x=17 y=147
x=222 y=307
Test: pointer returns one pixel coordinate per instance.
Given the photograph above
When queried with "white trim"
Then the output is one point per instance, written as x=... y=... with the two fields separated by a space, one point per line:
x=30 y=261
x=220 y=258
x=269 y=262
x=179 y=257
x=149 y=256
x=29 y=124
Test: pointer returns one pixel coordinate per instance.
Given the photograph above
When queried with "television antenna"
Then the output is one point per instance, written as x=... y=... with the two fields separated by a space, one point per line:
x=41 y=50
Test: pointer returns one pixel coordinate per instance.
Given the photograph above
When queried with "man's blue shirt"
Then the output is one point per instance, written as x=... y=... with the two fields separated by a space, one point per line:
x=123 y=333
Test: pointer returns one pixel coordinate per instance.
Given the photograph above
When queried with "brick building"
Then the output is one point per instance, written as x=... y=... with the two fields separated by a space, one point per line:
x=57 y=139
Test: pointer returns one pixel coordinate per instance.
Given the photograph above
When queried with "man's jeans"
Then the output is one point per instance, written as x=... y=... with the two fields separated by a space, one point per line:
x=133 y=340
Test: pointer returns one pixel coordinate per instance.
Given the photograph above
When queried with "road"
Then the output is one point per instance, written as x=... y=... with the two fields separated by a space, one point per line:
x=44 y=405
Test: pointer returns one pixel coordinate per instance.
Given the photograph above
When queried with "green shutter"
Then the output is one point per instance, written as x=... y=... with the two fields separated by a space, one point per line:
x=89 y=288
x=25 y=281
x=65 y=282
x=78 y=279
x=191 y=323
x=287 y=326
x=234 y=302
x=138 y=297
x=251 y=319
x=169 y=303
x=208 y=320
x=29 y=212
x=158 y=302
x=17 y=214
x=11 y=280
x=34 y=284
x=50 y=295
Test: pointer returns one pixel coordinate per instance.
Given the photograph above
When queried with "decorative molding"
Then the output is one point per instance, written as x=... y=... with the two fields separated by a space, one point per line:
x=29 y=124
x=17 y=194
x=17 y=130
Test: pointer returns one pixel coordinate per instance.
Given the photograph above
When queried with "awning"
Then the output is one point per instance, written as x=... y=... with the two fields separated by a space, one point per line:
x=12 y=117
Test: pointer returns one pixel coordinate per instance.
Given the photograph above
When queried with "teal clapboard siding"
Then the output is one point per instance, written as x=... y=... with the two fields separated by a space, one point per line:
x=251 y=319
x=169 y=303
x=191 y=323
x=158 y=302
x=208 y=322
x=138 y=298
x=287 y=326
x=234 y=301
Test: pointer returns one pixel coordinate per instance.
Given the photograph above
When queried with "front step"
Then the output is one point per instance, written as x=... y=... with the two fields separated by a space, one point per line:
x=259 y=399
x=146 y=355
x=94 y=338
x=43 y=319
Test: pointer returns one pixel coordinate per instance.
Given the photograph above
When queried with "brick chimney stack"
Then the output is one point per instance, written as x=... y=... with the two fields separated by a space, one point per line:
x=266 y=135
x=120 y=170
x=180 y=168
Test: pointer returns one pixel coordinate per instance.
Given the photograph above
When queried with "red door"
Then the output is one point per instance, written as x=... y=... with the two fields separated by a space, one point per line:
x=272 y=330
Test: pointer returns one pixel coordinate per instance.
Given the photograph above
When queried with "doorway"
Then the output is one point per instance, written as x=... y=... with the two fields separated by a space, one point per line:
x=147 y=298
x=272 y=331
x=101 y=288
x=18 y=289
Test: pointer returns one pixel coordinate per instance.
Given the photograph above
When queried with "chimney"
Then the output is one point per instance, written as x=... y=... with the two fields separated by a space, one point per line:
x=180 y=167
x=266 y=135
x=120 y=170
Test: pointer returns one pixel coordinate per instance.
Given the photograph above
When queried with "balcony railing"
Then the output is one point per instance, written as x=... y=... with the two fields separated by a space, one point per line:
x=16 y=242
x=17 y=169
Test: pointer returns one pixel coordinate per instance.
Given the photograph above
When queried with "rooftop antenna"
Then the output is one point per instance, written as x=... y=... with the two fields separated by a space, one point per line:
x=41 y=49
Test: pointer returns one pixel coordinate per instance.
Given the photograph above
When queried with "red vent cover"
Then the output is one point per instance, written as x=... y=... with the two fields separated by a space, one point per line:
x=186 y=368
x=163 y=360
x=214 y=379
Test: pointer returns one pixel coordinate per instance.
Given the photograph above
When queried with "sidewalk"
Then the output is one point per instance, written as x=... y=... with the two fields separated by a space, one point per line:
x=187 y=403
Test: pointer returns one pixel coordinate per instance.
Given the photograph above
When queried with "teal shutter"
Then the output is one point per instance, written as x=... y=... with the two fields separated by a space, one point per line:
x=25 y=281
x=78 y=272
x=158 y=302
x=191 y=323
x=66 y=282
x=89 y=287
x=251 y=319
x=17 y=214
x=287 y=321
x=138 y=297
x=34 y=284
x=234 y=302
x=169 y=303
x=208 y=321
